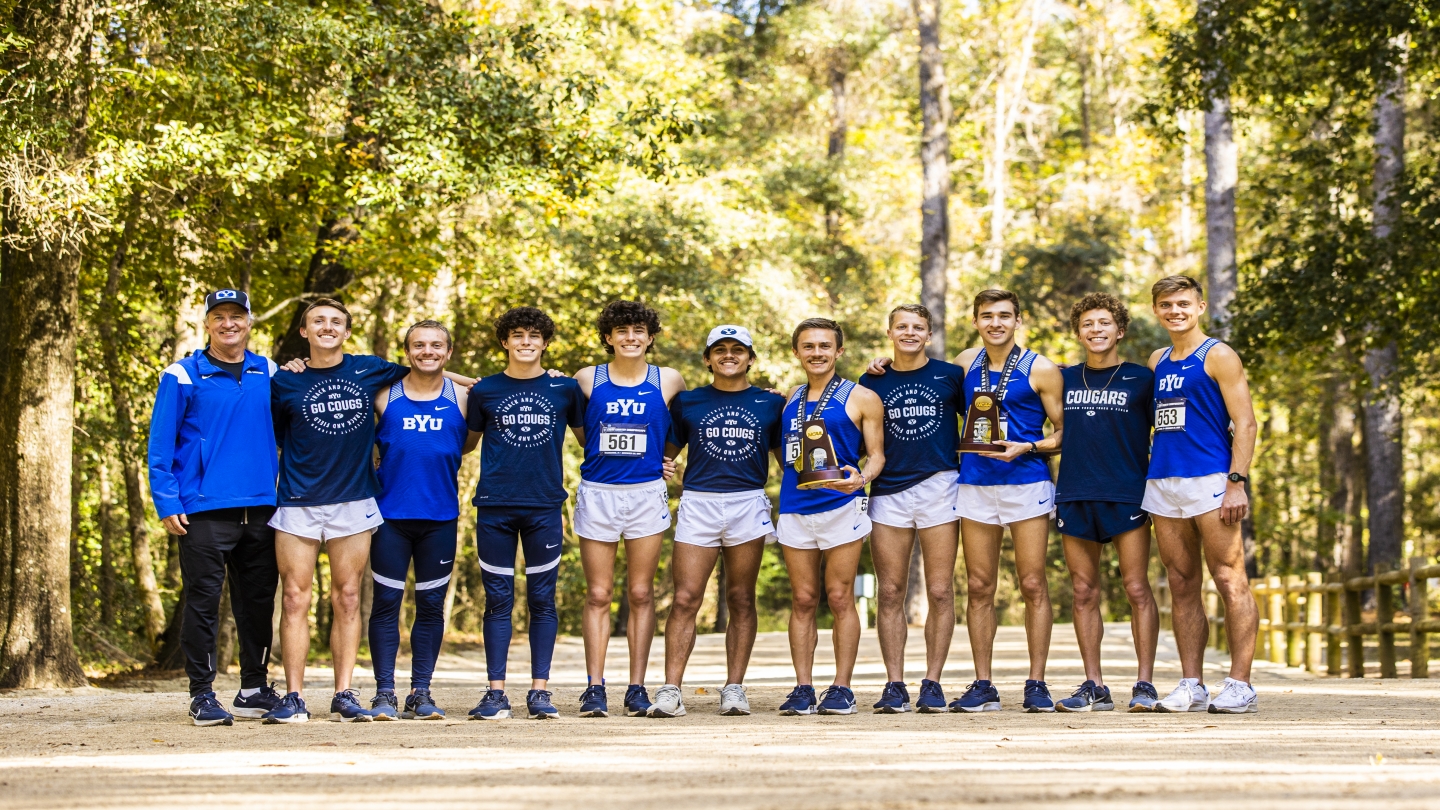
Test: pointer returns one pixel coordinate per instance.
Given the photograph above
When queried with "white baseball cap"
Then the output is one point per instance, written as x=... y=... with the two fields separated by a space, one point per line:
x=728 y=332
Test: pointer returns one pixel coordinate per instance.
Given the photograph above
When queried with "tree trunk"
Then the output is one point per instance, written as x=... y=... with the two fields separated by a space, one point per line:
x=171 y=656
x=327 y=275
x=835 y=148
x=1009 y=96
x=380 y=324
x=77 y=484
x=107 y=547
x=722 y=608
x=1221 y=176
x=1337 y=475
x=935 y=172
x=1385 y=469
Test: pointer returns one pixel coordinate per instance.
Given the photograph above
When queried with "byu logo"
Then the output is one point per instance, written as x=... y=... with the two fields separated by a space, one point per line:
x=422 y=423
x=625 y=407
x=1171 y=382
x=224 y=294
x=727 y=331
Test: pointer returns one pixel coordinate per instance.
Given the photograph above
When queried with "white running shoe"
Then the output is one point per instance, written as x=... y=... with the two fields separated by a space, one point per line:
x=1189 y=696
x=1235 y=697
x=733 y=702
x=668 y=702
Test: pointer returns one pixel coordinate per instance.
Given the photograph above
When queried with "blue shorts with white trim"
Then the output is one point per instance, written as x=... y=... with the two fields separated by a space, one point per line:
x=1098 y=521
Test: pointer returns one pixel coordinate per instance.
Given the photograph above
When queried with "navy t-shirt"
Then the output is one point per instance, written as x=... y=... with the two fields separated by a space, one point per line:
x=1106 y=451
x=524 y=424
x=325 y=427
x=922 y=427
x=730 y=434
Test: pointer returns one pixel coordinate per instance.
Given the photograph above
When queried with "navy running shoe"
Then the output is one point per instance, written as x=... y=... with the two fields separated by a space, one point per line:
x=255 y=706
x=538 y=704
x=932 y=698
x=1143 y=697
x=837 y=700
x=1037 y=697
x=493 y=705
x=205 y=710
x=637 y=701
x=420 y=706
x=1088 y=698
x=801 y=700
x=345 y=708
x=291 y=709
x=384 y=706
x=593 y=702
x=894 y=700
x=980 y=696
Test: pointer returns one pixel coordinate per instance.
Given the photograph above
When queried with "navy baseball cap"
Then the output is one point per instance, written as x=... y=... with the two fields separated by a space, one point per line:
x=219 y=297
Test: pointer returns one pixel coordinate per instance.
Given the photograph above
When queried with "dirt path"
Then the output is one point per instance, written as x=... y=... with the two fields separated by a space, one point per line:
x=1317 y=743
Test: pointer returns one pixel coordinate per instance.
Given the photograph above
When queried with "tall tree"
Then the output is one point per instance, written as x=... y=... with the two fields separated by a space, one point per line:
x=934 y=171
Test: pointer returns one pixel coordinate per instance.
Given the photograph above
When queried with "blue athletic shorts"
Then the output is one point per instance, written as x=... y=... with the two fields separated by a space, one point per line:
x=1098 y=521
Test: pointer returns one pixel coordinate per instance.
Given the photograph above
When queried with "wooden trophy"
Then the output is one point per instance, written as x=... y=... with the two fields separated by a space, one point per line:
x=817 y=463
x=982 y=425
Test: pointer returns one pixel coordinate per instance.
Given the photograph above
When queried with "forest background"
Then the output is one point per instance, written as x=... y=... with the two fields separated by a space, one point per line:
x=746 y=161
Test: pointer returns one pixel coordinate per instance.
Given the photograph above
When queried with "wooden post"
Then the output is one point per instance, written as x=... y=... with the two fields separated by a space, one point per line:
x=1419 y=610
x=1277 y=620
x=1384 y=614
x=1293 y=639
x=1354 y=641
x=1262 y=637
x=1314 y=621
x=1212 y=613
x=1335 y=611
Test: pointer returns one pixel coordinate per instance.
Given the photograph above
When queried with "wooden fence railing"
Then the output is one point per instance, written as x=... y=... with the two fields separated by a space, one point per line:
x=1308 y=622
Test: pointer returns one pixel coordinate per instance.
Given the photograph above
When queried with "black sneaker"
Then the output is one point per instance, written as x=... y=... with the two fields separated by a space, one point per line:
x=420 y=706
x=637 y=701
x=255 y=706
x=205 y=710
x=1088 y=698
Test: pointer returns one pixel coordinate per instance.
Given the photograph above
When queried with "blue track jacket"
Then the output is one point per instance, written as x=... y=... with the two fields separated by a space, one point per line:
x=212 y=441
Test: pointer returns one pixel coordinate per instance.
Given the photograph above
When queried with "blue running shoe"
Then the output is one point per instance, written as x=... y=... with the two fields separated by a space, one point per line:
x=255 y=706
x=1143 y=697
x=980 y=696
x=345 y=708
x=420 y=706
x=1037 y=697
x=837 y=700
x=538 y=704
x=384 y=706
x=637 y=701
x=894 y=700
x=291 y=709
x=493 y=705
x=1088 y=698
x=801 y=700
x=593 y=702
x=205 y=710
x=932 y=698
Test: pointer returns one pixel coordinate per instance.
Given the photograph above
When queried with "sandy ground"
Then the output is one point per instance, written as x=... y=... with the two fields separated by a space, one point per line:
x=1316 y=743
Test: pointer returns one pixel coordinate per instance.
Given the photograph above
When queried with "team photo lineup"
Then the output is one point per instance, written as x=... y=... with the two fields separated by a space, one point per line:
x=258 y=468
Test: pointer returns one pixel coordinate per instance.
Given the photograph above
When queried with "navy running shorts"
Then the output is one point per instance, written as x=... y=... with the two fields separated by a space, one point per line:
x=1098 y=521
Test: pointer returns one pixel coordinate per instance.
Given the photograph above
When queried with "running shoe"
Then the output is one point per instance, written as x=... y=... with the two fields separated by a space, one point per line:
x=205 y=710
x=668 y=702
x=345 y=708
x=837 y=700
x=894 y=700
x=1088 y=698
x=1143 y=697
x=537 y=703
x=932 y=698
x=1235 y=697
x=980 y=696
x=384 y=706
x=733 y=700
x=255 y=706
x=419 y=705
x=493 y=705
x=801 y=700
x=593 y=702
x=1037 y=697
x=291 y=709
x=1189 y=696
x=637 y=700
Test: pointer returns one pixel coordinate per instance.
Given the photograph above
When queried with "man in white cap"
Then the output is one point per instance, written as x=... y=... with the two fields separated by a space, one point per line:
x=732 y=428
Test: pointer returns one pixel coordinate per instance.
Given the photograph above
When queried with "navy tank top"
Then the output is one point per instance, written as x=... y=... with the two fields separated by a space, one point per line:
x=625 y=430
x=420 y=446
x=844 y=434
x=1192 y=424
x=1023 y=416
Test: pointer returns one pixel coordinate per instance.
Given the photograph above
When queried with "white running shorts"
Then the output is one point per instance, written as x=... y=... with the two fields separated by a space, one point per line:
x=716 y=519
x=328 y=522
x=1003 y=504
x=1184 y=497
x=929 y=503
x=609 y=512
x=826 y=530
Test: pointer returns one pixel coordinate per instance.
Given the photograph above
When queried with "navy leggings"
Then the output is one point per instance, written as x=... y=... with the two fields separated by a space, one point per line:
x=539 y=532
x=431 y=544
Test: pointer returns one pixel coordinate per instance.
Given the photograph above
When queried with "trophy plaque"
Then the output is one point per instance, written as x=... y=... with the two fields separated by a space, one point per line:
x=817 y=463
x=982 y=425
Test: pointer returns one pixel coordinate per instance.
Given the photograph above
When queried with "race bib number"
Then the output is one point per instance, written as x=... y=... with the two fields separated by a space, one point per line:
x=623 y=440
x=1170 y=414
x=862 y=505
x=792 y=447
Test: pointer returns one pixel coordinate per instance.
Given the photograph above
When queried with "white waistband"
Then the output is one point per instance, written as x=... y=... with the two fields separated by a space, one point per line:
x=697 y=495
x=658 y=482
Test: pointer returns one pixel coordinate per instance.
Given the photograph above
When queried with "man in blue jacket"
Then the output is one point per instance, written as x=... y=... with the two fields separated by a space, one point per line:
x=212 y=477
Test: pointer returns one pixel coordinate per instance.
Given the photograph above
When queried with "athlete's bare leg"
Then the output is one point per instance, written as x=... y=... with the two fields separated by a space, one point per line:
x=691 y=566
x=1031 y=538
x=642 y=557
x=890 y=548
x=1134 y=550
x=295 y=556
x=642 y=560
x=597 y=559
x=1180 y=541
x=742 y=568
x=1082 y=558
x=981 y=542
x=348 y=556
x=838 y=585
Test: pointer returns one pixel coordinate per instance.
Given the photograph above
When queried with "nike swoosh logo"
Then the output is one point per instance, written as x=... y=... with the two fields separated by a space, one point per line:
x=442 y=407
x=446 y=562
x=360 y=371
x=557 y=385
x=642 y=392
x=856 y=526
x=1192 y=365
x=1042 y=502
x=1218 y=494
x=764 y=523
x=557 y=545
x=1127 y=378
x=1137 y=517
x=760 y=401
x=372 y=514
x=939 y=376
